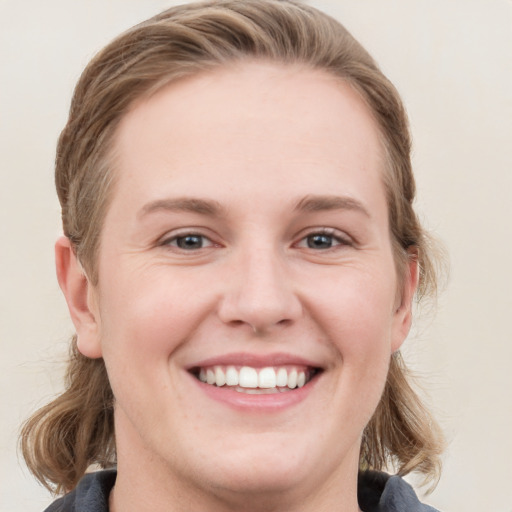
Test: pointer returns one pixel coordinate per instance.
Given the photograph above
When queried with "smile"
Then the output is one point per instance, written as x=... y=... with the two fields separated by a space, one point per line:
x=250 y=380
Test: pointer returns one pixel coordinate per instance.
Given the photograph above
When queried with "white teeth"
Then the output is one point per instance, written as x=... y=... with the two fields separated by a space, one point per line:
x=248 y=377
x=267 y=378
x=249 y=391
x=220 y=378
x=210 y=376
x=292 y=379
x=231 y=376
x=282 y=377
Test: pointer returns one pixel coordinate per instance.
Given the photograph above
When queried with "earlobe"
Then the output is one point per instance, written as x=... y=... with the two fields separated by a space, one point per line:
x=77 y=290
x=403 y=314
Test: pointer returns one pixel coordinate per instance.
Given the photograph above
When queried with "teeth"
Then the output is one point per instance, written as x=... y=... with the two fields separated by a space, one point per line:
x=253 y=380
x=248 y=377
x=267 y=378
x=220 y=377
x=210 y=376
x=292 y=379
x=282 y=377
x=231 y=376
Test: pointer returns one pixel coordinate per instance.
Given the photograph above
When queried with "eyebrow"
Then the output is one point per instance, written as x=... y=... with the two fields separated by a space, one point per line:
x=310 y=203
x=313 y=203
x=187 y=204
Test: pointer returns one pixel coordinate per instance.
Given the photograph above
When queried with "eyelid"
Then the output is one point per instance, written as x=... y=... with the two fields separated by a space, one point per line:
x=339 y=236
x=168 y=238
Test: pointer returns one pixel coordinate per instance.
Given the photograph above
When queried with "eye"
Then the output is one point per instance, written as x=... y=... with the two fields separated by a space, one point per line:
x=322 y=240
x=189 y=242
x=319 y=241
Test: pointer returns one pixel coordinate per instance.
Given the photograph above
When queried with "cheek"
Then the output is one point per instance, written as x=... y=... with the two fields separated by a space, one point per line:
x=356 y=316
x=148 y=318
x=356 y=310
x=144 y=323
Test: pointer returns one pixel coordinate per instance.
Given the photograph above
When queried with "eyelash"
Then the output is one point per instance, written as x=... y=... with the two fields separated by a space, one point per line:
x=336 y=239
x=329 y=236
x=174 y=241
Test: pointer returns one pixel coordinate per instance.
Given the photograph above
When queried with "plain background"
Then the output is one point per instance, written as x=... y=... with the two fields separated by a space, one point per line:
x=452 y=62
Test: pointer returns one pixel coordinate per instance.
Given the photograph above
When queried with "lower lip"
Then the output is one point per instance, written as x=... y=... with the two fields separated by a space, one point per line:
x=258 y=403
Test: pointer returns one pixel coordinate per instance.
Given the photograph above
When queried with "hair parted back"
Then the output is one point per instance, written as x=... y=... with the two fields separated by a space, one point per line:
x=62 y=439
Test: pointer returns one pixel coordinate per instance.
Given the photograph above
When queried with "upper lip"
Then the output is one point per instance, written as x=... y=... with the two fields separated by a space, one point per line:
x=254 y=360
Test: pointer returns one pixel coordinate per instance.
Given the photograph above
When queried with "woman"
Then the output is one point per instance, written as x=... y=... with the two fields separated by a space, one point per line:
x=240 y=256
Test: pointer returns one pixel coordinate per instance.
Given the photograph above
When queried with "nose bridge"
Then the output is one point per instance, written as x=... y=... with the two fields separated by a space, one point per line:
x=261 y=293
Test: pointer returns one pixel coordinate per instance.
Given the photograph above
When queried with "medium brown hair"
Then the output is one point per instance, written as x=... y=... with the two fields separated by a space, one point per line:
x=76 y=430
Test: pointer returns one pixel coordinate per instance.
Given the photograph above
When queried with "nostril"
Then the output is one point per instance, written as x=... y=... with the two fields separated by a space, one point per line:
x=237 y=323
x=260 y=329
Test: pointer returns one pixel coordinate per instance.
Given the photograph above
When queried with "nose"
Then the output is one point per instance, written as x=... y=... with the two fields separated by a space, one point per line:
x=260 y=294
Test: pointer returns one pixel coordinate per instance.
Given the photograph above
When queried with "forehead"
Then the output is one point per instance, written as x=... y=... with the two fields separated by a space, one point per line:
x=287 y=124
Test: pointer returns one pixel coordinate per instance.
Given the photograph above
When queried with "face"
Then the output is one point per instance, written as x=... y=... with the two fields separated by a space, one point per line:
x=247 y=303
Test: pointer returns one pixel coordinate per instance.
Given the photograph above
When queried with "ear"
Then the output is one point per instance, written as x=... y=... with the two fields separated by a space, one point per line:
x=80 y=297
x=403 y=314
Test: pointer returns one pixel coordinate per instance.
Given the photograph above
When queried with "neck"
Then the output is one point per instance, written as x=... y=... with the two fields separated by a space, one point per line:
x=143 y=497
x=152 y=490
x=147 y=483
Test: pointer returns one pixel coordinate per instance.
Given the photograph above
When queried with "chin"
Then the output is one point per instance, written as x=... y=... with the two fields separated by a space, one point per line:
x=263 y=481
x=261 y=471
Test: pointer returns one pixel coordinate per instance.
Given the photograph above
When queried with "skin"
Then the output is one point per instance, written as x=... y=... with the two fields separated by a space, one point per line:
x=259 y=140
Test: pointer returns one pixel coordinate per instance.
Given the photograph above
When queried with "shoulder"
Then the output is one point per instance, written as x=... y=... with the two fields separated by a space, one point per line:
x=379 y=492
x=90 y=495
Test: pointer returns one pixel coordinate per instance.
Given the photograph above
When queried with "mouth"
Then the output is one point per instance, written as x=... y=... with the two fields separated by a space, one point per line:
x=254 y=380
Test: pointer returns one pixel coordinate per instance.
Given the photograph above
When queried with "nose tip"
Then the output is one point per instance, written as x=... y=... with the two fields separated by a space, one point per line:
x=260 y=297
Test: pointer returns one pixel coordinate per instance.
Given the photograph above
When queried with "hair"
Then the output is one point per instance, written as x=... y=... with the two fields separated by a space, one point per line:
x=61 y=440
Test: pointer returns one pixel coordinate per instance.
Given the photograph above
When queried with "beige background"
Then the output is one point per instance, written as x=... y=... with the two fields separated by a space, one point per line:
x=452 y=62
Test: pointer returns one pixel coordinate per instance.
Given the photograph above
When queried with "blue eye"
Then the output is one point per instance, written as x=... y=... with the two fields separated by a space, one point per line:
x=320 y=241
x=189 y=242
x=323 y=240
